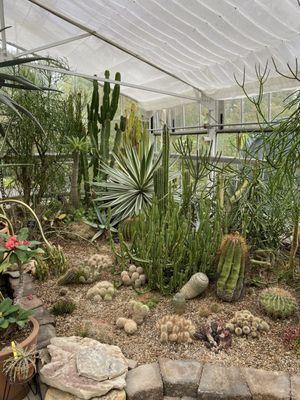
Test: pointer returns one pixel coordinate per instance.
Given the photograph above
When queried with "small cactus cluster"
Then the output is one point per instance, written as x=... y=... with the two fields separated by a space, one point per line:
x=138 y=311
x=246 y=324
x=135 y=276
x=176 y=329
x=129 y=325
x=88 y=272
x=103 y=290
x=277 y=302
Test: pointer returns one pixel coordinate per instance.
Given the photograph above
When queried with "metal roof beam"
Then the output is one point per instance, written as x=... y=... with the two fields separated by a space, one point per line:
x=55 y=44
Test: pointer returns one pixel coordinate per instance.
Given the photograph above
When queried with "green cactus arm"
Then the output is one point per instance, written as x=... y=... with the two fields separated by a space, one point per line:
x=236 y=273
x=227 y=265
x=115 y=97
x=106 y=96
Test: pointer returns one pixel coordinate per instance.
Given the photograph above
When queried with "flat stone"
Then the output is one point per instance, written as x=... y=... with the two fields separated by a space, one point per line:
x=62 y=373
x=46 y=333
x=26 y=286
x=12 y=274
x=171 y=398
x=220 y=382
x=55 y=394
x=144 y=383
x=101 y=363
x=267 y=385
x=43 y=316
x=180 y=377
x=131 y=363
x=29 y=302
x=295 y=387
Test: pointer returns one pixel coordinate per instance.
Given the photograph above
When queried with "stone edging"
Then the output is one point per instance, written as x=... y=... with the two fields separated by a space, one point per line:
x=24 y=295
x=189 y=380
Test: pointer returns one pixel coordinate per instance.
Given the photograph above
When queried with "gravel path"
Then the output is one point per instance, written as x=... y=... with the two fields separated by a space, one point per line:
x=267 y=352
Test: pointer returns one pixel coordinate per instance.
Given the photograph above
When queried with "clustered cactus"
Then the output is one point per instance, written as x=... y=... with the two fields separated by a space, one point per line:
x=88 y=272
x=246 y=324
x=231 y=267
x=176 y=329
x=277 y=302
x=214 y=336
x=135 y=276
x=129 y=325
x=103 y=290
x=138 y=311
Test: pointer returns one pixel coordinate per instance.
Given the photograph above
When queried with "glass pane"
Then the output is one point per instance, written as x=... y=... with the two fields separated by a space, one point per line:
x=204 y=115
x=232 y=111
x=250 y=113
x=279 y=102
x=231 y=144
x=192 y=114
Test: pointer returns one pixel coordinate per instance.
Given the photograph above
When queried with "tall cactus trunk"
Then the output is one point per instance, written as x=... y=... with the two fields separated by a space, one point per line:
x=86 y=178
x=74 y=180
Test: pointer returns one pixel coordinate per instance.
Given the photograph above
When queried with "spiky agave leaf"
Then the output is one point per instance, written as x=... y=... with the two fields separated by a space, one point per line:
x=129 y=187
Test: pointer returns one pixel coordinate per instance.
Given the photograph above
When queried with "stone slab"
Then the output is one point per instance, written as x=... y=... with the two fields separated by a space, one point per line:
x=144 y=383
x=46 y=333
x=43 y=316
x=29 y=302
x=180 y=377
x=222 y=383
x=267 y=385
x=131 y=363
x=56 y=394
x=295 y=387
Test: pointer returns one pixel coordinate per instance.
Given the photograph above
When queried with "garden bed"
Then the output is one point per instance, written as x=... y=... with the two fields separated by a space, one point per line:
x=268 y=352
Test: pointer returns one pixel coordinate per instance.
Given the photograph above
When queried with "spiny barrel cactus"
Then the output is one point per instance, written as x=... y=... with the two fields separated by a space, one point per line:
x=231 y=267
x=277 y=302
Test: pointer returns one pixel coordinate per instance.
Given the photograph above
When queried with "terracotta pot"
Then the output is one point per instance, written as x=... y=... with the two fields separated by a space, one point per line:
x=18 y=391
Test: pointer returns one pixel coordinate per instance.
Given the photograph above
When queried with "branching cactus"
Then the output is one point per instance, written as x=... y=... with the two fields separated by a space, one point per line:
x=231 y=267
x=277 y=302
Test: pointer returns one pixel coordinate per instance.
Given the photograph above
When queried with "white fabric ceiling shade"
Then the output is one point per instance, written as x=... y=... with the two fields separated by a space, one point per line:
x=202 y=42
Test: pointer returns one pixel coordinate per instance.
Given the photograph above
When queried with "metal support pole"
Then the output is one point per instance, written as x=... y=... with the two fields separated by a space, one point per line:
x=2 y=24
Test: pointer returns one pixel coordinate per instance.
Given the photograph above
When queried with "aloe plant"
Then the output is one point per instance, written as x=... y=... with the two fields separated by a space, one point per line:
x=129 y=186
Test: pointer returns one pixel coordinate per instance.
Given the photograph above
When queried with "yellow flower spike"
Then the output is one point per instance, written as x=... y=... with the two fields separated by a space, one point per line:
x=14 y=349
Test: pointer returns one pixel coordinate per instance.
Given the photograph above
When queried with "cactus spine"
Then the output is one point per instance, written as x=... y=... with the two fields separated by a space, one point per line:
x=100 y=145
x=231 y=267
x=277 y=302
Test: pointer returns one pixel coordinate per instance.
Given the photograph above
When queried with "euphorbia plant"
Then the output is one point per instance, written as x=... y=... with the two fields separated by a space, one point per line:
x=16 y=249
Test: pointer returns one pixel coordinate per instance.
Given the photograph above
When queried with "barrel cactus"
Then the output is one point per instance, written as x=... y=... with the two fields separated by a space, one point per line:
x=277 y=302
x=231 y=267
x=195 y=286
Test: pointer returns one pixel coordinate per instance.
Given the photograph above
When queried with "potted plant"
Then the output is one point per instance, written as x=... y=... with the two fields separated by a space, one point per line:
x=16 y=324
x=21 y=365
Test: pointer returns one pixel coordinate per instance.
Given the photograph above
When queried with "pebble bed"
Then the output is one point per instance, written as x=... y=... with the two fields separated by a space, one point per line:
x=268 y=352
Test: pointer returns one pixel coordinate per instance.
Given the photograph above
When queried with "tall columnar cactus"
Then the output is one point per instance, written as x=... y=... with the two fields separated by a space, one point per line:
x=231 y=267
x=108 y=109
x=119 y=129
x=277 y=302
x=161 y=175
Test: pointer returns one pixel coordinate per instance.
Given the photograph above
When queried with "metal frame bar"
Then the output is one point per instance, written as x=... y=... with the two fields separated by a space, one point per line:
x=111 y=42
x=55 y=44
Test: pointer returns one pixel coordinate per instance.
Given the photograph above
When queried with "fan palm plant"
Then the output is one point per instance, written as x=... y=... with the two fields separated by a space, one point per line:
x=129 y=187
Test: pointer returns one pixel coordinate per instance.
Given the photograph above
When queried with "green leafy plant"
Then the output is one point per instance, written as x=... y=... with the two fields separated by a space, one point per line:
x=129 y=187
x=12 y=316
x=21 y=365
x=17 y=249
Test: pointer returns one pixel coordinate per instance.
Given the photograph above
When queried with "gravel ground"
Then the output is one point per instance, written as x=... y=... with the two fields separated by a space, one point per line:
x=267 y=352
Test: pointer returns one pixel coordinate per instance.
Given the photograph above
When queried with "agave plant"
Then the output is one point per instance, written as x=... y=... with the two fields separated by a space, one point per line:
x=129 y=187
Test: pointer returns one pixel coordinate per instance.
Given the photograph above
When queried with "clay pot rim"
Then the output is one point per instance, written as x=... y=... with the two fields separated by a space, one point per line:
x=26 y=342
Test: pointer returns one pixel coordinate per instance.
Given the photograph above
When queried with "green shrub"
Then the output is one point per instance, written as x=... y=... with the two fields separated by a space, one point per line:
x=62 y=307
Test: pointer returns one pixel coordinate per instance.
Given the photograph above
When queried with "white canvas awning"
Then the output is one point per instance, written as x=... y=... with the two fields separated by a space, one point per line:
x=178 y=46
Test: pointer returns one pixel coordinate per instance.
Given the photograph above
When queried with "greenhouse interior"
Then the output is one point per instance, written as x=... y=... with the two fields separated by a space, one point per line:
x=150 y=200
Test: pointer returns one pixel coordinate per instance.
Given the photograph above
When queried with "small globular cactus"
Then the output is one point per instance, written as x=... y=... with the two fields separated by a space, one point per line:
x=134 y=276
x=176 y=329
x=101 y=261
x=138 y=311
x=129 y=325
x=103 y=290
x=244 y=323
x=277 y=302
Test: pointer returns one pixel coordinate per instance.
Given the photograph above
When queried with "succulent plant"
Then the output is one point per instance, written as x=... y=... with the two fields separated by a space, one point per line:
x=63 y=306
x=214 y=335
x=246 y=324
x=101 y=261
x=134 y=276
x=179 y=303
x=103 y=290
x=129 y=325
x=174 y=328
x=138 y=311
x=195 y=286
x=277 y=302
x=231 y=267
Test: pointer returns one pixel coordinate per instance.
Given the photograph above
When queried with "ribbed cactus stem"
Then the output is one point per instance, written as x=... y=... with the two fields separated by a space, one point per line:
x=158 y=179
x=165 y=158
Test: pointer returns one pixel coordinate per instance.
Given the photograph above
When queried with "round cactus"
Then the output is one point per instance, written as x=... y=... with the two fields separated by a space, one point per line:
x=277 y=302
